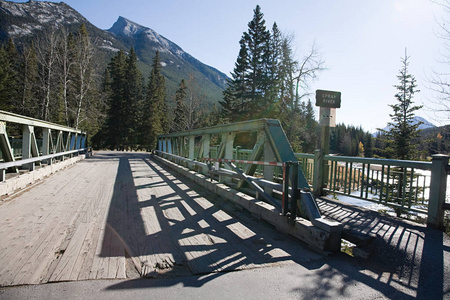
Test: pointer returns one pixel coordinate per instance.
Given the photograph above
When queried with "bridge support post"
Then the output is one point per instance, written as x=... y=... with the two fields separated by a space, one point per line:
x=169 y=146
x=206 y=145
x=318 y=173
x=5 y=146
x=268 y=170
x=164 y=148
x=191 y=150
x=438 y=189
x=159 y=144
x=29 y=146
x=228 y=142
x=47 y=144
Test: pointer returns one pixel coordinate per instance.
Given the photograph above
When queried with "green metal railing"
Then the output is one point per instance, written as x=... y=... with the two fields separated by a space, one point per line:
x=403 y=185
x=40 y=141
x=406 y=186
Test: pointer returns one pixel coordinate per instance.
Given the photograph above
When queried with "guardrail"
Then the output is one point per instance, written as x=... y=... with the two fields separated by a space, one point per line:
x=406 y=186
x=394 y=183
x=270 y=167
x=31 y=162
x=54 y=141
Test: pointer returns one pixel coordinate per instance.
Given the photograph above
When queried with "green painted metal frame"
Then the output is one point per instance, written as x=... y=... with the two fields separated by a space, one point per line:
x=271 y=141
x=67 y=138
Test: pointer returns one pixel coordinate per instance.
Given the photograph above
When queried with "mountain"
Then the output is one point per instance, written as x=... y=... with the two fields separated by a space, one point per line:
x=175 y=61
x=425 y=124
x=24 y=22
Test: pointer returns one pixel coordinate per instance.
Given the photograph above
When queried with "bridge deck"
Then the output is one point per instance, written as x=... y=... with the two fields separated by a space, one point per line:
x=121 y=215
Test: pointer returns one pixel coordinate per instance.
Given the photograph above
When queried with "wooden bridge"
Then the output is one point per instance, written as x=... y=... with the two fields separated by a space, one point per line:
x=125 y=215
x=122 y=215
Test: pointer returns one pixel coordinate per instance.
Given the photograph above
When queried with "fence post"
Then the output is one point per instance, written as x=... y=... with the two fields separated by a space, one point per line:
x=228 y=140
x=318 y=172
x=268 y=171
x=206 y=141
x=191 y=150
x=438 y=187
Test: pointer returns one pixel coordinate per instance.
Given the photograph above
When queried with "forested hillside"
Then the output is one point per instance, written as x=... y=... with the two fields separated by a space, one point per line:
x=126 y=85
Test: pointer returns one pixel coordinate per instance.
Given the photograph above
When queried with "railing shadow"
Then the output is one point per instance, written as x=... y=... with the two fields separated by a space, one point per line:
x=407 y=260
x=162 y=230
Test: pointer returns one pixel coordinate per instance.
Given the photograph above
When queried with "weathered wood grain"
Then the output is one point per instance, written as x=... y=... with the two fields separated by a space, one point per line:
x=83 y=223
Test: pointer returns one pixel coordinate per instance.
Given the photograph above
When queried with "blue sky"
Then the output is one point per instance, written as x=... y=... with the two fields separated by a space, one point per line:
x=361 y=41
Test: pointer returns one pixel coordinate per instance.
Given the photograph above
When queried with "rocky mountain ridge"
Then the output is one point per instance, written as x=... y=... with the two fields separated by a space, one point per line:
x=24 y=22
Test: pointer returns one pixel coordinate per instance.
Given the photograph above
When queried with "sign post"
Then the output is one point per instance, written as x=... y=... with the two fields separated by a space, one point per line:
x=328 y=101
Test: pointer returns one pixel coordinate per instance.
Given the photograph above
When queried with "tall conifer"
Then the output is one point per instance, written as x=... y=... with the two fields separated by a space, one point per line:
x=402 y=129
x=179 y=123
x=155 y=108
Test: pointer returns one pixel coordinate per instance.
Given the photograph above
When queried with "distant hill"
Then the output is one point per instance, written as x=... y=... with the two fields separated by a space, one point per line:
x=425 y=124
x=24 y=22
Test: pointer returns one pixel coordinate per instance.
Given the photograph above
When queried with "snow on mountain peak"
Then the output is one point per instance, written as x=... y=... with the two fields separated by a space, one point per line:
x=127 y=28
x=39 y=14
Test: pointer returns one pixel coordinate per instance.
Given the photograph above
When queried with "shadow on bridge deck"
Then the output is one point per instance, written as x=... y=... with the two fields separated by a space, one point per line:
x=122 y=215
x=170 y=227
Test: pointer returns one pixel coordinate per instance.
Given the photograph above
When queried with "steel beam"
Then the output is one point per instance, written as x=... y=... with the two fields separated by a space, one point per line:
x=18 y=119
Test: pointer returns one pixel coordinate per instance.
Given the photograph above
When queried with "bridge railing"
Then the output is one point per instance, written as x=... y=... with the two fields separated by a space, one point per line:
x=403 y=185
x=270 y=169
x=406 y=186
x=40 y=142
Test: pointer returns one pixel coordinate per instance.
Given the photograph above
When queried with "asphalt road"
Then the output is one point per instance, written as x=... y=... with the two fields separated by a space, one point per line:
x=336 y=277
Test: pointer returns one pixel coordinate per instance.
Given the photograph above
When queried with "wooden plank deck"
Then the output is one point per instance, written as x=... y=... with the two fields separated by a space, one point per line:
x=121 y=215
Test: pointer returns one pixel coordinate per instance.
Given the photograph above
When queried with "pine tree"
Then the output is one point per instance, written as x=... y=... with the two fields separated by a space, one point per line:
x=402 y=130
x=272 y=63
x=244 y=99
x=155 y=121
x=310 y=133
x=368 y=145
x=257 y=39
x=133 y=98
x=236 y=103
x=116 y=118
x=28 y=77
x=6 y=77
x=179 y=123
x=9 y=67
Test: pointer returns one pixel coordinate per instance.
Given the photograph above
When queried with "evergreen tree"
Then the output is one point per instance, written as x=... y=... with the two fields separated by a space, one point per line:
x=402 y=130
x=236 y=103
x=310 y=130
x=6 y=77
x=116 y=119
x=272 y=75
x=257 y=39
x=244 y=99
x=368 y=145
x=133 y=99
x=28 y=77
x=9 y=67
x=179 y=123
x=126 y=90
x=155 y=112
